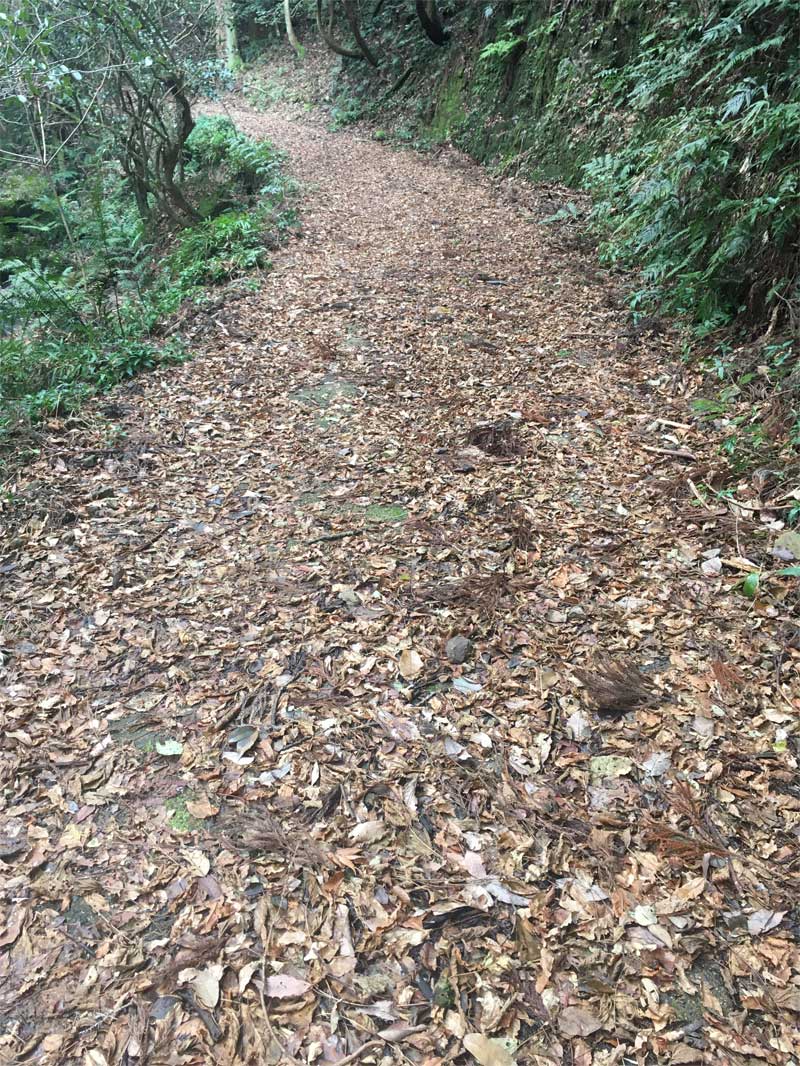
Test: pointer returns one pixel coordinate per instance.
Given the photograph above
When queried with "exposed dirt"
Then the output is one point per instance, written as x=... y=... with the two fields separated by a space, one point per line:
x=253 y=812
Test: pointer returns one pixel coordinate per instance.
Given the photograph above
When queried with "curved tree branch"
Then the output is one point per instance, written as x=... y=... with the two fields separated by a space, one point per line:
x=326 y=32
x=352 y=19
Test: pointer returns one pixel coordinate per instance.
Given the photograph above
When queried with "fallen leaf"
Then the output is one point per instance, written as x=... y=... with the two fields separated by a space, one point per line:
x=246 y=974
x=488 y=1051
x=198 y=861
x=505 y=895
x=577 y=1021
x=169 y=747
x=206 y=984
x=201 y=808
x=579 y=726
x=367 y=831
x=473 y=863
x=603 y=766
x=284 y=986
x=657 y=764
x=645 y=915
x=763 y=921
x=787 y=546
x=410 y=664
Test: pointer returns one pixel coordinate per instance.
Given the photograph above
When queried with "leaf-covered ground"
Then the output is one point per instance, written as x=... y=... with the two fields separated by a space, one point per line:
x=258 y=809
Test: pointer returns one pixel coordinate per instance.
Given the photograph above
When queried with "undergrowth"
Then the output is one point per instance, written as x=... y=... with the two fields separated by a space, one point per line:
x=85 y=309
x=703 y=193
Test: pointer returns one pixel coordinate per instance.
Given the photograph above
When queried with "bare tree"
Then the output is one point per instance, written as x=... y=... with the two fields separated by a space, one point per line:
x=116 y=71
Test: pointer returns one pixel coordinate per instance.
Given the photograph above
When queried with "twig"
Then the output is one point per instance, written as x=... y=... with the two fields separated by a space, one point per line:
x=336 y=536
x=366 y=1046
x=267 y=1019
x=673 y=425
x=370 y=1044
x=704 y=503
x=679 y=453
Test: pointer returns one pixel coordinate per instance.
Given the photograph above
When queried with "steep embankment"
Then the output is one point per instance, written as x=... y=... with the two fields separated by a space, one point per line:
x=256 y=808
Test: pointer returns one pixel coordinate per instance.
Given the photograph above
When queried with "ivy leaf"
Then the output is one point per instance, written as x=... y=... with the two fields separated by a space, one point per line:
x=750 y=586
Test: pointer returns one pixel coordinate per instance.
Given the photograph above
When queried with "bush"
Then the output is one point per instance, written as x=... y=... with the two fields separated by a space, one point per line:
x=704 y=193
x=82 y=313
x=253 y=165
x=54 y=376
x=219 y=248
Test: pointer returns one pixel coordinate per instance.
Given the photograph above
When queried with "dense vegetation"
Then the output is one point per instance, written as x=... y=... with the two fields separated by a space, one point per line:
x=682 y=122
x=116 y=204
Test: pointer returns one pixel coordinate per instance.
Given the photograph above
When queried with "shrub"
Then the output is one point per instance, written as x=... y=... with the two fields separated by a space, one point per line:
x=80 y=316
x=215 y=142
x=703 y=194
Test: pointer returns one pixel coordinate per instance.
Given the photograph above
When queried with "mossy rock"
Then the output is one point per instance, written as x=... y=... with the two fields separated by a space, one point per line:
x=20 y=193
x=450 y=112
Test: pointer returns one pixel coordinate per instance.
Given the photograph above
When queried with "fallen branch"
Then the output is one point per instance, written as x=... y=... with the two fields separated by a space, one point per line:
x=679 y=453
x=336 y=536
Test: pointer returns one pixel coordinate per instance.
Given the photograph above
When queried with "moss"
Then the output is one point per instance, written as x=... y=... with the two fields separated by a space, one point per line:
x=443 y=994
x=449 y=114
x=392 y=512
x=525 y=106
x=180 y=820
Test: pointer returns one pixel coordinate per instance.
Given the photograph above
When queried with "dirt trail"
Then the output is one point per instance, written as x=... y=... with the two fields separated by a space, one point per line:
x=241 y=773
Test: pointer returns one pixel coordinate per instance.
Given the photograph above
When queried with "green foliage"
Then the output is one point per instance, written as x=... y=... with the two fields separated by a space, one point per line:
x=218 y=249
x=502 y=49
x=703 y=194
x=215 y=142
x=45 y=377
x=755 y=408
x=83 y=314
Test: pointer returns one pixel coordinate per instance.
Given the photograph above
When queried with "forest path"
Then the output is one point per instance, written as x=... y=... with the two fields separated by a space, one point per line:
x=241 y=772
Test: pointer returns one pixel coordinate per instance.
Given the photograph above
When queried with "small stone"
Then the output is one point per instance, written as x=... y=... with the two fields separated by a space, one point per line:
x=458 y=649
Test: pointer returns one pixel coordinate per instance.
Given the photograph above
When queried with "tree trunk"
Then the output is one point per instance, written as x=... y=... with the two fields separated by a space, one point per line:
x=326 y=32
x=352 y=19
x=432 y=22
x=227 y=40
x=287 y=17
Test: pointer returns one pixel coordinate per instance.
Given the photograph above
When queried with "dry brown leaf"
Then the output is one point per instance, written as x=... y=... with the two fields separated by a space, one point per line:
x=410 y=664
x=284 y=986
x=488 y=1051
x=577 y=1021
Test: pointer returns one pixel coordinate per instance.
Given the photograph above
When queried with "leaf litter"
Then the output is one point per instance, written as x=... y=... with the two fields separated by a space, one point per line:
x=256 y=812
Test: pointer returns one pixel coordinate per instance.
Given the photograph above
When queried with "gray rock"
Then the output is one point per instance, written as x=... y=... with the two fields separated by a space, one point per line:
x=458 y=649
